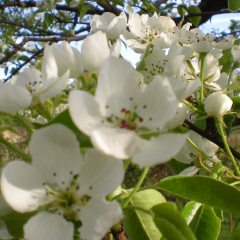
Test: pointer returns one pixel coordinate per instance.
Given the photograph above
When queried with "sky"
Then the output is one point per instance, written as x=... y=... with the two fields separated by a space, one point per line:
x=220 y=22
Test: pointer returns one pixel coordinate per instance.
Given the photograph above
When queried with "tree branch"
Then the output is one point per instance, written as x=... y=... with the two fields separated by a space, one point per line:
x=211 y=138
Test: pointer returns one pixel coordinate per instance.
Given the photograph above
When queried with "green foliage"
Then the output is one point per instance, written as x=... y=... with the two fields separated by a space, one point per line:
x=170 y=222
x=202 y=220
x=234 y=5
x=15 y=222
x=48 y=19
x=138 y=223
x=193 y=9
x=204 y=190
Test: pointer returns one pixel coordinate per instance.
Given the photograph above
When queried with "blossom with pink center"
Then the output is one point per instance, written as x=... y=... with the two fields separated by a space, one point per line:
x=122 y=118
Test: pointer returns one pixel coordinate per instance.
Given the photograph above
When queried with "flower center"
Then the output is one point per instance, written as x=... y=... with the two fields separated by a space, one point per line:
x=65 y=201
x=34 y=87
x=129 y=119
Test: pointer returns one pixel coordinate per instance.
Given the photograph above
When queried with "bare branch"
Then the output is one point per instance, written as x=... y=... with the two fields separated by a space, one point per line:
x=211 y=138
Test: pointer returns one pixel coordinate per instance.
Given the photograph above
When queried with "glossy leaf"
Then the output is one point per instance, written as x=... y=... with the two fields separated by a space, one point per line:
x=48 y=19
x=234 y=5
x=204 y=190
x=202 y=220
x=15 y=222
x=171 y=223
x=139 y=225
x=193 y=9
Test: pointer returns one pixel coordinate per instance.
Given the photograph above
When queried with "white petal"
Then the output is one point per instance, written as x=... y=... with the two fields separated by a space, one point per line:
x=182 y=88
x=117 y=26
x=95 y=51
x=235 y=50
x=137 y=25
x=22 y=186
x=49 y=65
x=157 y=104
x=217 y=104
x=190 y=171
x=188 y=152
x=54 y=87
x=94 y=181
x=159 y=150
x=119 y=143
x=67 y=57
x=116 y=49
x=179 y=118
x=98 y=216
x=29 y=78
x=48 y=226
x=84 y=111
x=56 y=153
x=14 y=98
x=117 y=87
x=203 y=46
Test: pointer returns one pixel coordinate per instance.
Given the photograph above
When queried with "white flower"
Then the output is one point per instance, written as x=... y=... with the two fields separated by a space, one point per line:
x=188 y=153
x=120 y=114
x=196 y=39
x=212 y=70
x=158 y=63
x=225 y=43
x=145 y=30
x=217 y=104
x=236 y=52
x=32 y=86
x=110 y=24
x=64 y=185
x=181 y=115
x=94 y=52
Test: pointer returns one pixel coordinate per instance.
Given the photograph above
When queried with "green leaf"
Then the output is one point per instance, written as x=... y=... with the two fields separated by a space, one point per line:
x=234 y=5
x=235 y=235
x=193 y=9
x=226 y=60
x=83 y=10
x=190 y=210
x=171 y=223
x=200 y=123
x=202 y=220
x=23 y=58
x=236 y=102
x=48 y=19
x=15 y=222
x=139 y=225
x=228 y=120
x=204 y=190
x=176 y=167
x=181 y=10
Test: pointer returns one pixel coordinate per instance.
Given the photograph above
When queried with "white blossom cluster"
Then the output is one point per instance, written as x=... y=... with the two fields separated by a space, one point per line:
x=127 y=113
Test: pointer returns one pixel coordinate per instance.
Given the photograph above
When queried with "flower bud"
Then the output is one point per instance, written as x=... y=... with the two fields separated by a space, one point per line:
x=217 y=104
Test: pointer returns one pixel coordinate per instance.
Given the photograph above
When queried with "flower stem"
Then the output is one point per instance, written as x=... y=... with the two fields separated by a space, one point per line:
x=139 y=183
x=195 y=109
x=24 y=123
x=127 y=163
x=202 y=59
x=219 y=121
x=25 y=156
